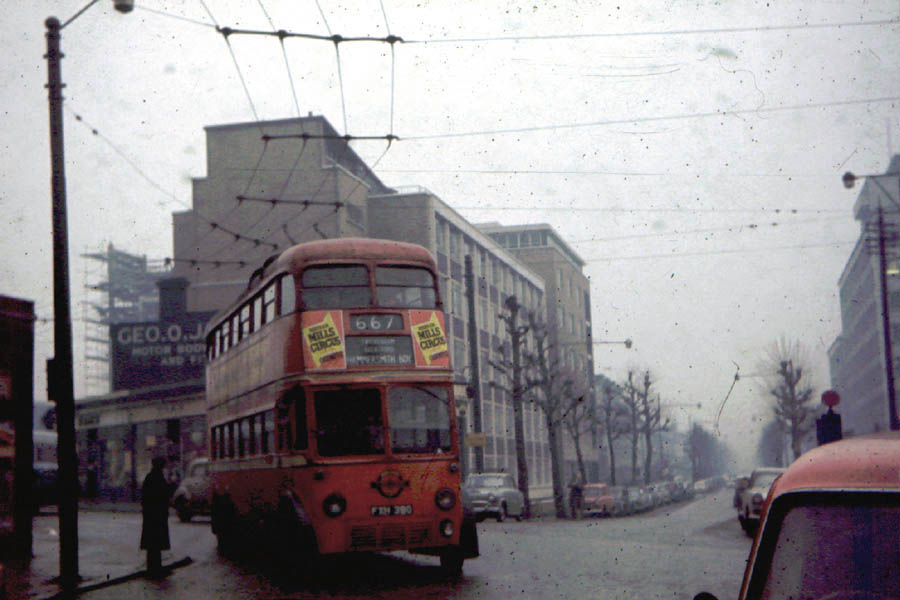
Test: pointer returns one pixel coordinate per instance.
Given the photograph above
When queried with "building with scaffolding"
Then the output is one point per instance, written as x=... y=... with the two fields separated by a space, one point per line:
x=120 y=288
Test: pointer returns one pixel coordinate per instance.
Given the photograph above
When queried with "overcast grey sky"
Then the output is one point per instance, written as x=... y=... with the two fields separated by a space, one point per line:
x=690 y=152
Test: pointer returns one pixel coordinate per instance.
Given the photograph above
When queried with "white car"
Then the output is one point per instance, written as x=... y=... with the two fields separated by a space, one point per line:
x=750 y=498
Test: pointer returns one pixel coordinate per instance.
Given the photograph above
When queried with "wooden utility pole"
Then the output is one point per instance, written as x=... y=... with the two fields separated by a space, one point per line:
x=474 y=383
x=59 y=376
x=884 y=237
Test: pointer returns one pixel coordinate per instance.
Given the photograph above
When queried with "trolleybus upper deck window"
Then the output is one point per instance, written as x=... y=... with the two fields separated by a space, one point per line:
x=340 y=286
x=404 y=287
x=348 y=422
x=419 y=419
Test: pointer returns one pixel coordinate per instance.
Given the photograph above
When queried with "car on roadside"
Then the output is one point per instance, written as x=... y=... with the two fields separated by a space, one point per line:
x=622 y=501
x=193 y=495
x=598 y=500
x=493 y=494
x=751 y=497
x=640 y=498
x=829 y=526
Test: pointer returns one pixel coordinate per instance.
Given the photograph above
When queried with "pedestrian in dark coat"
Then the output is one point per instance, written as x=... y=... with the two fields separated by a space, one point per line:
x=155 y=510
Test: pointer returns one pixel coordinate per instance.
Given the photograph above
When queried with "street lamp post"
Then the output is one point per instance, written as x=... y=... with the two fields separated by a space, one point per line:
x=849 y=180
x=60 y=373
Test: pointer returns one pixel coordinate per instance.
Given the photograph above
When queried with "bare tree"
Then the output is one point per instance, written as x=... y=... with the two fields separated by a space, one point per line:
x=631 y=401
x=578 y=418
x=649 y=419
x=510 y=364
x=792 y=394
x=611 y=418
x=553 y=387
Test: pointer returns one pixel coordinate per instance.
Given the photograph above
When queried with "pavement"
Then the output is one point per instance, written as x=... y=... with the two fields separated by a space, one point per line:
x=104 y=559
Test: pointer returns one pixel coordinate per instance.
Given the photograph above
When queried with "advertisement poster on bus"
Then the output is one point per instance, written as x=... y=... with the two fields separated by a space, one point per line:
x=323 y=340
x=431 y=348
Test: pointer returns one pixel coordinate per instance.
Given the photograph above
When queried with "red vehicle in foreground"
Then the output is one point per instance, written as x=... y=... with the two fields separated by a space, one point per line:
x=830 y=527
x=330 y=407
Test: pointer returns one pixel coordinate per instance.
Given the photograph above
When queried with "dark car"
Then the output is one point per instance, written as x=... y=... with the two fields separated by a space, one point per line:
x=493 y=494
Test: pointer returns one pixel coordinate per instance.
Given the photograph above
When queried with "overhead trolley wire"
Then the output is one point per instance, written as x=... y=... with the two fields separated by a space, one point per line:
x=96 y=132
x=832 y=245
x=622 y=34
x=212 y=223
x=702 y=115
x=676 y=209
x=284 y=55
x=746 y=227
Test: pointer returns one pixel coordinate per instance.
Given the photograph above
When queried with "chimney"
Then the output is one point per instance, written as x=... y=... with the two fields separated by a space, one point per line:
x=172 y=298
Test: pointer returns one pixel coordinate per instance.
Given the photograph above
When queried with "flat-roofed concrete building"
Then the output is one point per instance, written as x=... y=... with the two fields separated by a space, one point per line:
x=269 y=185
x=419 y=216
x=568 y=313
x=857 y=357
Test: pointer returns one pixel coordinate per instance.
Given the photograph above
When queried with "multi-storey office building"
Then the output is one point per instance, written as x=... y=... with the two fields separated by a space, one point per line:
x=857 y=356
x=568 y=312
x=418 y=216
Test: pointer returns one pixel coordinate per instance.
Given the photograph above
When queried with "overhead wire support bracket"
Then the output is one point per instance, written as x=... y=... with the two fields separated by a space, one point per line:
x=390 y=137
x=283 y=34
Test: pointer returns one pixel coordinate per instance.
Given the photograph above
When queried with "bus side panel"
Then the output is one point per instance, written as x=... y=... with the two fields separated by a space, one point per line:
x=263 y=358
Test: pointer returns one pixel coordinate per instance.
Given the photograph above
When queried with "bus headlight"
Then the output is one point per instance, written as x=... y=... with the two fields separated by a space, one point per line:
x=445 y=499
x=447 y=528
x=334 y=505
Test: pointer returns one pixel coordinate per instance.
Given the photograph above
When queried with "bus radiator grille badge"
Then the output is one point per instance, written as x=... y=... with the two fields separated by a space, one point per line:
x=390 y=483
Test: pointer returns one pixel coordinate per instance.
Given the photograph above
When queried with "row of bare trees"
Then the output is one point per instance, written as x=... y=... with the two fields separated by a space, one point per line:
x=533 y=372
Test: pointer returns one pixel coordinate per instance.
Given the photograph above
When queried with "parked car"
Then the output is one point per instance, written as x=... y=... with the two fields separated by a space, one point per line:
x=829 y=526
x=493 y=494
x=598 y=500
x=622 y=501
x=193 y=495
x=659 y=494
x=676 y=490
x=640 y=499
x=750 y=499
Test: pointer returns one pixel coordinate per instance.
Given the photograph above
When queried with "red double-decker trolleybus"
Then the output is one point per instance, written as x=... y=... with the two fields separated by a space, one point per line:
x=330 y=407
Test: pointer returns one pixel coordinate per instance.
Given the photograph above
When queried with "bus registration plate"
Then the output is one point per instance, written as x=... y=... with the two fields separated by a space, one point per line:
x=393 y=510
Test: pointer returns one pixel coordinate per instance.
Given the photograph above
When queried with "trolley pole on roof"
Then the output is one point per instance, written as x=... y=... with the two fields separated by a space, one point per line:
x=475 y=380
